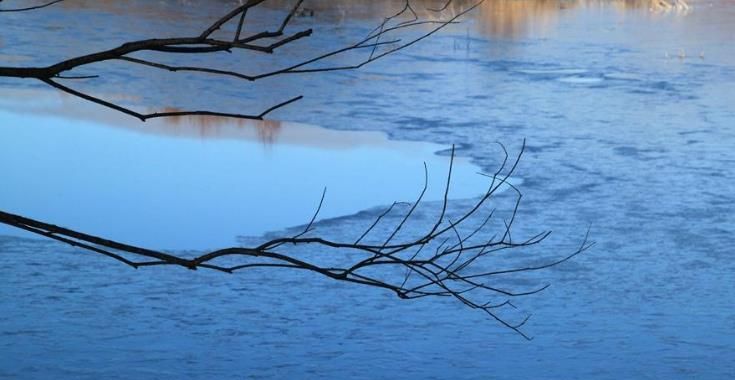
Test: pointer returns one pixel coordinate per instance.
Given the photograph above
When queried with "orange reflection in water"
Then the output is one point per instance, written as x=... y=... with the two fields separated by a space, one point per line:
x=512 y=19
x=502 y=18
x=517 y=18
x=209 y=126
x=267 y=132
x=499 y=16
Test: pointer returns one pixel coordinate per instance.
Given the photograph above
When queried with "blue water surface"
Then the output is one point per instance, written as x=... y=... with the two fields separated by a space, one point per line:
x=628 y=116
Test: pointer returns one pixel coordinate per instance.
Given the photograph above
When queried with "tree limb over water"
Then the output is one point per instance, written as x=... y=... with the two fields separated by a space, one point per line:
x=380 y=42
x=31 y=8
x=453 y=257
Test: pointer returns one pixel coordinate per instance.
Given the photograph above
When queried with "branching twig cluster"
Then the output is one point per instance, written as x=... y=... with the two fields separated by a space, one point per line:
x=448 y=260
x=379 y=43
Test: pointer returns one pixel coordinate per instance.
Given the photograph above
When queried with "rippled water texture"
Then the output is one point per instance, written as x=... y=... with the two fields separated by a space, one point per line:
x=628 y=116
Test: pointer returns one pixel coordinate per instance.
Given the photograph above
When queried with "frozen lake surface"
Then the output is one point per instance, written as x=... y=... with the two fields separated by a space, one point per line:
x=629 y=122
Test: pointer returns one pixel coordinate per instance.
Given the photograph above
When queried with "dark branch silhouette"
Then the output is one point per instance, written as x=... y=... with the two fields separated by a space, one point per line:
x=208 y=42
x=450 y=259
x=44 y=5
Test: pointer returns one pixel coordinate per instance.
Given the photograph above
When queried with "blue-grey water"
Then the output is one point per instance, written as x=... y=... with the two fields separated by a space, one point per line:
x=628 y=116
x=200 y=186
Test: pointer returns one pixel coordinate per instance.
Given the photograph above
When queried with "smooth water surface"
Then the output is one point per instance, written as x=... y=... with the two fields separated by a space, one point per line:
x=198 y=183
x=628 y=117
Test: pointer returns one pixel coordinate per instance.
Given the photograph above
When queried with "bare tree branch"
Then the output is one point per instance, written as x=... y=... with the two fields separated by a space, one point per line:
x=48 y=4
x=206 y=42
x=400 y=265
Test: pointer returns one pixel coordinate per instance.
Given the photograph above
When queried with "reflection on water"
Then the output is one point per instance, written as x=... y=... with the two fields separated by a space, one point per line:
x=104 y=173
x=620 y=137
x=499 y=18
x=518 y=18
x=199 y=127
x=503 y=18
x=212 y=126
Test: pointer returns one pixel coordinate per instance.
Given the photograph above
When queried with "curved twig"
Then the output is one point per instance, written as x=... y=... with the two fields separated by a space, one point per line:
x=48 y=4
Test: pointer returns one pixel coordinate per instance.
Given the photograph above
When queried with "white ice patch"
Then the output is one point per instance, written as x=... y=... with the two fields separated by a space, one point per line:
x=580 y=80
x=623 y=76
x=553 y=71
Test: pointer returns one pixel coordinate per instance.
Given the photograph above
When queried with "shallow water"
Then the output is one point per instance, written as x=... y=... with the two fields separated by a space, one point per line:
x=628 y=117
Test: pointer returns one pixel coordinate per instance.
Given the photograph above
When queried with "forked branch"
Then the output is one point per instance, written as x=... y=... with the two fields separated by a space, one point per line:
x=381 y=42
x=452 y=258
